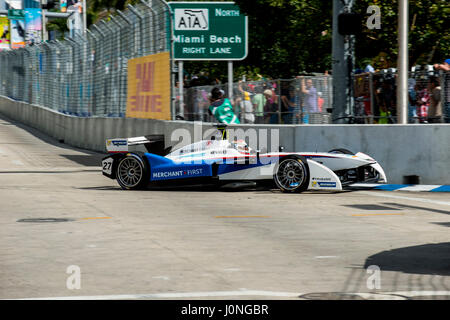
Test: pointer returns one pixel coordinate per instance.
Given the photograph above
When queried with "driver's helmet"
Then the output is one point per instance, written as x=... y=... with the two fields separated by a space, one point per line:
x=241 y=146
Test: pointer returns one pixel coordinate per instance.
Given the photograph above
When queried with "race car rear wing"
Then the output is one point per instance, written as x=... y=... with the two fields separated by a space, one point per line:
x=153 y=144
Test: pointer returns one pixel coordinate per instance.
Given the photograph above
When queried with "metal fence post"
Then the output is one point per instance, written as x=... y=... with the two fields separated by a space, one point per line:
x=120 y=82
x=111 y=111
x=152 y=26
x=100 y=75
x=137 y=43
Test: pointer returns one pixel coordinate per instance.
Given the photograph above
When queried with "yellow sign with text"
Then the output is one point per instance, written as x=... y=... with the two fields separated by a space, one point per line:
x=148 y=93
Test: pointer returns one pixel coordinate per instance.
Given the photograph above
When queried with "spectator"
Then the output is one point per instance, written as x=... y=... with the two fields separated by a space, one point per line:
x=320 y=101
x=259 y=101
x=369 y=68
x=412 y=107
x=179 y=109
x=385 y=115
x=289 y=101
x=195 y=82
x=435 y=109
x=388 y=97
x=221 y=108
x=247 y=105
x=445 y=67
x=310 y=99
x=423 y=101
x=271 y=107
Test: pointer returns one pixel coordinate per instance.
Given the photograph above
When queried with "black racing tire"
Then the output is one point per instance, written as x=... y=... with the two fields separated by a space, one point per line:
x=291 y=174
x=341 y=150
x=133 y=172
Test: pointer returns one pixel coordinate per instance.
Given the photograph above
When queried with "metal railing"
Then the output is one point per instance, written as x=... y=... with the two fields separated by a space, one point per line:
x=87 y=75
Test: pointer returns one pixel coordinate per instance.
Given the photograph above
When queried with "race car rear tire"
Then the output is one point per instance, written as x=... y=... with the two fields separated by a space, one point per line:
x=341 y=150
x=132 y=172
x=292 y=174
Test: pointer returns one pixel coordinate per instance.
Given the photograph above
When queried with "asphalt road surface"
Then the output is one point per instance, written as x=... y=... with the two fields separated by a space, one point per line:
x=67 y=231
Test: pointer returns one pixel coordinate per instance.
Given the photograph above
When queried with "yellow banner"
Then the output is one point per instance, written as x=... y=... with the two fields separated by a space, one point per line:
x=4 y=33
x=148 y=93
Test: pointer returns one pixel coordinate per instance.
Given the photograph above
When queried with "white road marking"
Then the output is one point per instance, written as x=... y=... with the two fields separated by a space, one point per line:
x=325 y=257
x=419 y=188
x=385 y=195
x=397 y=295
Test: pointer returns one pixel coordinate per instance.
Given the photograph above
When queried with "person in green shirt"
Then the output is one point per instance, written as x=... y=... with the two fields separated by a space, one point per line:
x=221 y=108
x=259 y=100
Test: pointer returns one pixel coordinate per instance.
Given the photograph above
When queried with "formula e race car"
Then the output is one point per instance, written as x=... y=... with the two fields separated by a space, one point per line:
x=222 y=162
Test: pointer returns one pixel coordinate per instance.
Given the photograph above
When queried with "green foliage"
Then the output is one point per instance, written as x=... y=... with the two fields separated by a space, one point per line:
x=288 y=37
x=429 y=34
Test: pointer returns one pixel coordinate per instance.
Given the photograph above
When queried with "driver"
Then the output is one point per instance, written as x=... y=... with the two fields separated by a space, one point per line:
x=241 y=146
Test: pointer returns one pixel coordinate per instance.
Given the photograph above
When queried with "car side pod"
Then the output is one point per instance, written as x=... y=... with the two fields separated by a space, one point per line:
x=322 y=178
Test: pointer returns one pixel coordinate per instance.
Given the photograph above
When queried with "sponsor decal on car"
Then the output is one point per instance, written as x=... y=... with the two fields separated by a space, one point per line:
x=327 y=184
x=118 y=143
x=178 y=173
x=322 y=179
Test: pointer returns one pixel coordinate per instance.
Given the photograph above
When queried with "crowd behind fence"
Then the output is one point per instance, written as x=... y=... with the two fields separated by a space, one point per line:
x=86 y=75
x=306 y=99
x=375 y=97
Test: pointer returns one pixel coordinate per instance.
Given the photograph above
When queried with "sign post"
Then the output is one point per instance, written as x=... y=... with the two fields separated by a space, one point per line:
x=209 y=31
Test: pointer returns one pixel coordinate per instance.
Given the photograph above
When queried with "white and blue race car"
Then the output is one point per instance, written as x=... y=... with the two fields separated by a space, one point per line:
x=233 y=163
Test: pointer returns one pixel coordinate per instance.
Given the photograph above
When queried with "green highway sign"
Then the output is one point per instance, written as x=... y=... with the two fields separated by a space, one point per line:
x=209 y=31
x=16 y=14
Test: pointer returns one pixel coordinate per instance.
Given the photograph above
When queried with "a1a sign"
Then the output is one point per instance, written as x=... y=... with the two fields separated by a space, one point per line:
x=209 y=31
x=16 y=14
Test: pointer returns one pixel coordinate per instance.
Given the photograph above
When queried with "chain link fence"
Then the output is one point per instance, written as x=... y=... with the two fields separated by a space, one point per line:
x=86 y=75
x=305 y=99
x=375 y=96
x=445 y=86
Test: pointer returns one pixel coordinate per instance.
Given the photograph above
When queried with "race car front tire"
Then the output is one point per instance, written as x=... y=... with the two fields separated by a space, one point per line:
x=292 y=174
x=132 y=172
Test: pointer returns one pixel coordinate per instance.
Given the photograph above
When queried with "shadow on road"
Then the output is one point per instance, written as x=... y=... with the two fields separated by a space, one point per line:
x=430 y=259
x=418 y=208
x=88 y=160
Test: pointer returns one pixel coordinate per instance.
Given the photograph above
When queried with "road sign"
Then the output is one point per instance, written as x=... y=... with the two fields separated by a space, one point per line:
x=16 y=14
x=209 y=31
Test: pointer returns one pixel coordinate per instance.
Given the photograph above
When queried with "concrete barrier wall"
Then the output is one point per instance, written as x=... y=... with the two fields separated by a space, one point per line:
x=402 y=150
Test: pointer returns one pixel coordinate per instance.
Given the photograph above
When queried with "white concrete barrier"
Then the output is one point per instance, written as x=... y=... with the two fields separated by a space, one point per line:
x=402 y=150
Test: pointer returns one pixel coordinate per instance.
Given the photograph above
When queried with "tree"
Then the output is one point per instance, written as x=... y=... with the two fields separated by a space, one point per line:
x=288 y=37
x=429 y=34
